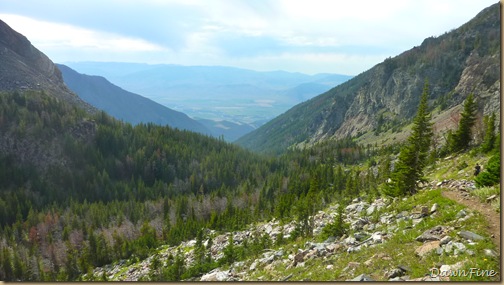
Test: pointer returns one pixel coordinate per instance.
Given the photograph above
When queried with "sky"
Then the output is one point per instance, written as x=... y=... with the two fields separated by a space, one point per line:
x=308 y=36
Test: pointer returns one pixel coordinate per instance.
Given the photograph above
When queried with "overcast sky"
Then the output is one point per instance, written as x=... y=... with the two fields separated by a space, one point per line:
x=309 y=36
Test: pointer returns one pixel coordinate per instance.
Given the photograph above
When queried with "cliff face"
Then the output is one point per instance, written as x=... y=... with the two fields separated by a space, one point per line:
x=24 y=67
x=463 y=61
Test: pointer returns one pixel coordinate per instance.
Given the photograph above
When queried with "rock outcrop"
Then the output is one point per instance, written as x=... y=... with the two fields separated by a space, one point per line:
x=24 y=67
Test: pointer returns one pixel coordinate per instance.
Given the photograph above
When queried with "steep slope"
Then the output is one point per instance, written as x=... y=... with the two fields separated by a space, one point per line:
x=24 y=67
x=125 y=105
x=457 y=63
x=26 y=70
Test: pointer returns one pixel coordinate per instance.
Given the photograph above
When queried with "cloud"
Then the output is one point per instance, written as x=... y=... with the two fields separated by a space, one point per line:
x=295 y=35
x=160 y=22
x=51 y=35
x=238 y=45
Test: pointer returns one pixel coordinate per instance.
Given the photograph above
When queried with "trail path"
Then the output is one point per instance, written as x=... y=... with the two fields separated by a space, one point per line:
x=473 y=203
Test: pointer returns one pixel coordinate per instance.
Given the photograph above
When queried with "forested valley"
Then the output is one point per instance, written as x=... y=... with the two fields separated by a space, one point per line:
x=116 y=191
x=80 y=190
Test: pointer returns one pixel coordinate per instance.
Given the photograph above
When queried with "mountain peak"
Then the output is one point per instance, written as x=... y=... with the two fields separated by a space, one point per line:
x=24 y=67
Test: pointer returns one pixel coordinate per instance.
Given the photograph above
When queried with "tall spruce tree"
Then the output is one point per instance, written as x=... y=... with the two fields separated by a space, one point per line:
x=462 y=137
x=413 y=156
x=489 y=140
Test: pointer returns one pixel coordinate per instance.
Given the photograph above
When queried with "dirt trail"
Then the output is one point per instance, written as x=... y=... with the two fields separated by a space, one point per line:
x=473 y=203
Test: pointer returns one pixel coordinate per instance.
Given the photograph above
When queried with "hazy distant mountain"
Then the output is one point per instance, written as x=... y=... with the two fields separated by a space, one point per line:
x=215 y=92
x=125 y=105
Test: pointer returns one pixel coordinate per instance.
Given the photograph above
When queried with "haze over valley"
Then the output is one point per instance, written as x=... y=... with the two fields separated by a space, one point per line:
x=213 y=92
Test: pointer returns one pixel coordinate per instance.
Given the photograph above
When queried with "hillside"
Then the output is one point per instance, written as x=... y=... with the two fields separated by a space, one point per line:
x=426 y=237
x=462 y=61
x=215 y=92
x=124 y=105
x=24 y=67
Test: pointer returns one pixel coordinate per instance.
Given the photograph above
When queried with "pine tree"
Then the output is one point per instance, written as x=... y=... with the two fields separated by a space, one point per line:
x=413 y=156
x=200 y=260
x=489 y=140
x=462 y=137
x=6 y=266
x=338 y=227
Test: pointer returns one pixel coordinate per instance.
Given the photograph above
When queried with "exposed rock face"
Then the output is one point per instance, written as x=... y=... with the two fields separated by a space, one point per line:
x=24 y=67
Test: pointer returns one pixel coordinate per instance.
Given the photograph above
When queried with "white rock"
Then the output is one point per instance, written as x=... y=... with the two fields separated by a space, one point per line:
x=434 y=208
x=353 y=249
x=350 y=240
x=448 y=248
x=460 y=246
x=377 y=237
x=253 y=266
x=370 y=210
x=268 y=228
x=215 y=275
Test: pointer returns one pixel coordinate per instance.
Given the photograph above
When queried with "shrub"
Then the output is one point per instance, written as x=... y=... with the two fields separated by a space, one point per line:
x=491 y=174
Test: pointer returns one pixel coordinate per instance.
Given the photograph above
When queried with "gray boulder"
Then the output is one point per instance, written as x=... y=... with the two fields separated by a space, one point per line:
x=470 y=235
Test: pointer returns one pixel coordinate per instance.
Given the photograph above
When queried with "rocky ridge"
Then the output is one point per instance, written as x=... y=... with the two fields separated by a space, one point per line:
x=24 y=67
x=371 y=224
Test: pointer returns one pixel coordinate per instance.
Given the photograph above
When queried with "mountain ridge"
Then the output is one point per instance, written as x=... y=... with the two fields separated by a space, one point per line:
x=125 y=105
x=24 y=67
x=455 y=64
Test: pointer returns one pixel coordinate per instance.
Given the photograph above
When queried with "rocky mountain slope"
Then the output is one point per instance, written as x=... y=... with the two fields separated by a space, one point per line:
x=124 y=105
x=24 y=67
x=420 y=238
x=463 y=61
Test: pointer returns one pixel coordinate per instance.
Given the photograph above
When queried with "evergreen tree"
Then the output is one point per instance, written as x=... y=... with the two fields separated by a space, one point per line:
x=338 y=227
x=230 y=254
x=462 y=137
x=413 y=156
x=489 y=140
x=6 y=266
